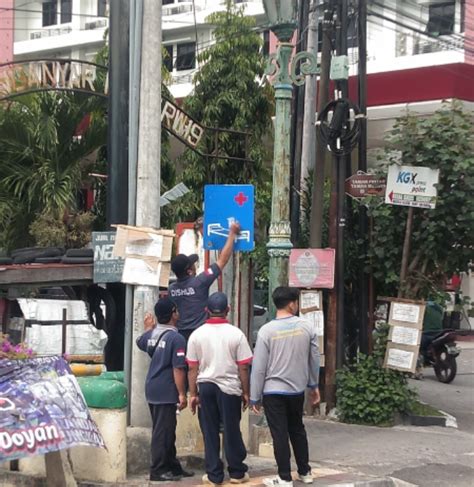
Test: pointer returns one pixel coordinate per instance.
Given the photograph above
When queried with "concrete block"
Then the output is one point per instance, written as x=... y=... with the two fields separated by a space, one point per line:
x=258 y=435
x=189 y=439
x=16 y=479
x=58 y=470
x=101 y=465
x=265 y=450
x=138 y=449
x=32 y=465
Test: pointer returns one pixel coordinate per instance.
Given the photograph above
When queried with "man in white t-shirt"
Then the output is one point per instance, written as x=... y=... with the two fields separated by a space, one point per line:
x=218 y=357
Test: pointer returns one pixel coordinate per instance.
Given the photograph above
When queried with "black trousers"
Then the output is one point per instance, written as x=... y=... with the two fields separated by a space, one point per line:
x=163 y=438
x=284 y=415
x=216 y=408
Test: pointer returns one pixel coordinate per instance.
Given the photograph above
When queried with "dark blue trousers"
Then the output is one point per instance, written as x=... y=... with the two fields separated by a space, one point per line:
x=163 y=438
x=216 y=408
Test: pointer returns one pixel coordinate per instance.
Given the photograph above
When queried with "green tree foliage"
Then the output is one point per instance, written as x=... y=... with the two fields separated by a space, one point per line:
x=229 y=93
x=369 y=394
x=441 y=242
x=45 y=157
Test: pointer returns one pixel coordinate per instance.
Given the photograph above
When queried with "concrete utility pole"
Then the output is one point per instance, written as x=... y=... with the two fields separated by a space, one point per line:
x=148 y=188
x=308 y=151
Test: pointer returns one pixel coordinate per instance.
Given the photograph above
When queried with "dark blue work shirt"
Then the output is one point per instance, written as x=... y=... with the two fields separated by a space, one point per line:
x=170 y=354
x=190 y=295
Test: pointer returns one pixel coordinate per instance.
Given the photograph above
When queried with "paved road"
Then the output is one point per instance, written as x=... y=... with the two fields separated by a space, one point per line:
x=456 y=398
x=423 y=456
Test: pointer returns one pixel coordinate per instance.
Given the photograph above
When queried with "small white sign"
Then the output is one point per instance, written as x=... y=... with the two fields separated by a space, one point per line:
x=412 y=186
x=405 y=335
x=316 y=318
x=409 y=313
x=310 y=299
x=400 y=359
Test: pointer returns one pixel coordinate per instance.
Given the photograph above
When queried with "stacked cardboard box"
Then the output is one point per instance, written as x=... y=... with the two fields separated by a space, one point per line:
x=147 y=254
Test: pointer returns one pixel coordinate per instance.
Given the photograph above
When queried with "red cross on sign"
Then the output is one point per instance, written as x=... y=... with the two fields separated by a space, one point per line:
x=241 y=199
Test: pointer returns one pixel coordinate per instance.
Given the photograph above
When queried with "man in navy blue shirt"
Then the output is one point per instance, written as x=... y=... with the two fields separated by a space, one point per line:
x=190 y=292
x=165 y=388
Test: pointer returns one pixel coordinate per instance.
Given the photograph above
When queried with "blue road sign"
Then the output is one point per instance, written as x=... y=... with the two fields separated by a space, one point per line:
x=224 y=204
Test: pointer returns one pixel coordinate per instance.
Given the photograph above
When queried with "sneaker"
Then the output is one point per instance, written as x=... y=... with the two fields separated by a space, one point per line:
x=242 y=480
x=275 y=481
x=307 y=478
x=205 y=480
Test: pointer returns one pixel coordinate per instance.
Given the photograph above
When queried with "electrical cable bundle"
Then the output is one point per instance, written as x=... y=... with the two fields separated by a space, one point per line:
x=338 y=131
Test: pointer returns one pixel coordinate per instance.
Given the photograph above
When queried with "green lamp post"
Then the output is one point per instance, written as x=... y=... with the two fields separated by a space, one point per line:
x=282 y=16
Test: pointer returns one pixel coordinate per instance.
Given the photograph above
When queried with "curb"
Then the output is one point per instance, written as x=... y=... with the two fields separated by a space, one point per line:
x=445 y=421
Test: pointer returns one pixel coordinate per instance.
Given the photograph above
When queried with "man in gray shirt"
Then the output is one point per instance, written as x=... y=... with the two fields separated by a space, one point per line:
x=285 y=363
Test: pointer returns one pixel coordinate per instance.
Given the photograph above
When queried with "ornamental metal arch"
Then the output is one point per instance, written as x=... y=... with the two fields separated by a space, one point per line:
x=52 y=74
x=19 y=78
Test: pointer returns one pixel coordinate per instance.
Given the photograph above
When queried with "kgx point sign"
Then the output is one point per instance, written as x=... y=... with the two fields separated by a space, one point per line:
x=412 y=186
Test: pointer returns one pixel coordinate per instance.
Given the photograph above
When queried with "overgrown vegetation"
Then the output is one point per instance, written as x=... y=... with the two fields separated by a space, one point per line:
x=48 y=143
x=230 y=93
x=369 y=394
x=441 y=243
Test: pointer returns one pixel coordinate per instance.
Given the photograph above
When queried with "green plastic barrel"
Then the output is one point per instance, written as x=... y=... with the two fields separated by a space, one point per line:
x=103 y=393
x=114 y=375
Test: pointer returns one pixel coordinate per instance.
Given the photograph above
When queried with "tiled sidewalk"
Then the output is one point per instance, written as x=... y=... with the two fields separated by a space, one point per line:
x=259 y=468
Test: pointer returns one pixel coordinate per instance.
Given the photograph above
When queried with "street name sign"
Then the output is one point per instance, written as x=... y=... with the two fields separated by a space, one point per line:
x=107 y=267
x=362 y=184
x=224 y=204
x=412 y=186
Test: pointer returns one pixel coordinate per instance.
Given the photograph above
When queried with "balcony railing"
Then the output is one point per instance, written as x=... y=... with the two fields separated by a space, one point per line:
x=96 y=24
x=179 y=79
x=39 y=34
x=178 y=8
x=410 y=45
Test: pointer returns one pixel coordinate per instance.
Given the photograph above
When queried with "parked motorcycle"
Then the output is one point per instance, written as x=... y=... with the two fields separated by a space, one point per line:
x=439 y=350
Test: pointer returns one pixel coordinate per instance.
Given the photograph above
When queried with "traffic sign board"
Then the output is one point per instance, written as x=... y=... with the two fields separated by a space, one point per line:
x=362 y=184
x=224 y=204
x=412 y=186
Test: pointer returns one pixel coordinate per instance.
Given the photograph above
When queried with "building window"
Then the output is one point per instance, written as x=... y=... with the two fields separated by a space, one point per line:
x=168 y=57
x=186 y=56
x=66 y=11
x=102 y=8
x=166 y=2
x=50 y=13
x=441 y=18
x=463 y=16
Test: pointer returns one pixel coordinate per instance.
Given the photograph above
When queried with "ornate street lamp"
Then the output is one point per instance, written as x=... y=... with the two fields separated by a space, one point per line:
x=282 y=16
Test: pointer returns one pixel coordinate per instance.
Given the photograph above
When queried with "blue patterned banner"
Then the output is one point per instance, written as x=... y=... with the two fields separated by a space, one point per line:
x=42 y=409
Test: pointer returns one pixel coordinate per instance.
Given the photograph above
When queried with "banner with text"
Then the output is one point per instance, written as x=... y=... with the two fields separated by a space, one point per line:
x=42 y=409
